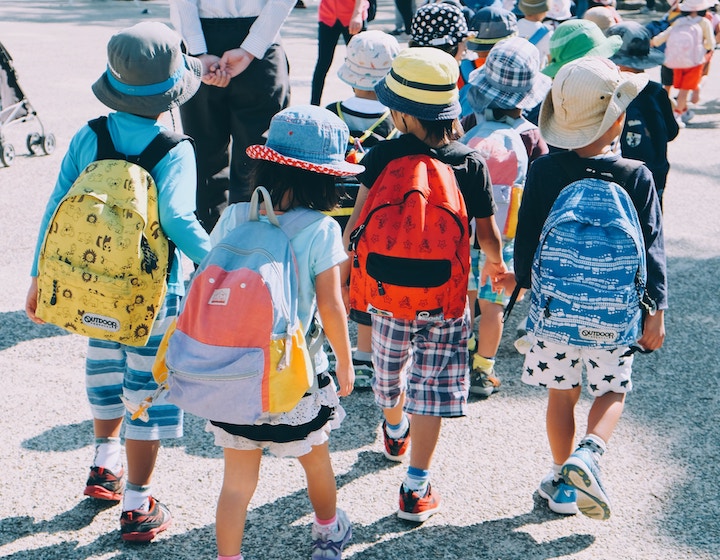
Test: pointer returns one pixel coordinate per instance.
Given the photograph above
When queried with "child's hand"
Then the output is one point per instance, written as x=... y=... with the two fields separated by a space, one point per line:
x=653 y=334
x=31 y=302
x=493 y=271
x=505 y=281
x=346 y=379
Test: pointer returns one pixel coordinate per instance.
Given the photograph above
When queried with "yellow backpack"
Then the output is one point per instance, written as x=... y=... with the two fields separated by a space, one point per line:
x=103 y=267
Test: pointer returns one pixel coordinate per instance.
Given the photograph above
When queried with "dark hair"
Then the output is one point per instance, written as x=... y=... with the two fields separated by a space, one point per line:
x=444 y=130
x=309 y=189
x=448 y=48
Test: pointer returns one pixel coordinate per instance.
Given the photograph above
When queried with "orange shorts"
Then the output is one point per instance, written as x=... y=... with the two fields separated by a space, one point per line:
x=687 y=78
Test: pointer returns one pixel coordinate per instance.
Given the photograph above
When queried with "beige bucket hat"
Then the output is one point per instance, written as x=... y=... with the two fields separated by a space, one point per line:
x=588 y=95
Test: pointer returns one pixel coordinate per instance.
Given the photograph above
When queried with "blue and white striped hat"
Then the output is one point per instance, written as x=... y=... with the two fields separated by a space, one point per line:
x=509 y=79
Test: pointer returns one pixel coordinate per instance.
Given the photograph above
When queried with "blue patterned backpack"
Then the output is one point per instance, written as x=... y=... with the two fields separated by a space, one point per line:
x=589 y=274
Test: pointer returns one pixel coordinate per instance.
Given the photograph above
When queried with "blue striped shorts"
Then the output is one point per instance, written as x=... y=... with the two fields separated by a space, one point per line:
x=113 y=369
x=426 y=359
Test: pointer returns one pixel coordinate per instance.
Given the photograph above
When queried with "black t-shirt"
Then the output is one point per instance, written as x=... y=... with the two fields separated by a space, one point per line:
x=469 y=167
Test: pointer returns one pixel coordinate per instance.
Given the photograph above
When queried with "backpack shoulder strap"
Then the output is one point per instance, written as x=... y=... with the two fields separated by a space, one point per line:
x=105 y=147
x=536 y=37
x=151 y=155
x=158 y=149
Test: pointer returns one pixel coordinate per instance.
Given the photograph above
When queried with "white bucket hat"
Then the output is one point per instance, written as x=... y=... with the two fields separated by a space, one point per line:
x=588 y=95
x=369 y=57
x=696 y=5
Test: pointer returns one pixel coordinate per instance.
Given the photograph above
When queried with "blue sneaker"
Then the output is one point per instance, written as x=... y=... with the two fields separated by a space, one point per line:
x=329 y=544
x=582 y=472
x=560 y=497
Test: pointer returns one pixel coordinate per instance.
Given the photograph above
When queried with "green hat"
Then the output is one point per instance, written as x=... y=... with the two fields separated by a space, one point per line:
x=576 y=38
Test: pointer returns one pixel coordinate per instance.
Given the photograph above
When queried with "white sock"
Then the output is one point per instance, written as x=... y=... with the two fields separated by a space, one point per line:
x=136 y=497
x=108 y=454
x=398 y=431
x=556 y=471
x=595 y=443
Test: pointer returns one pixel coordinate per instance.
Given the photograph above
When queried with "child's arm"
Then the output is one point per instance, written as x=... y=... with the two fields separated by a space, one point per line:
x=334 y=320
x=488 y=236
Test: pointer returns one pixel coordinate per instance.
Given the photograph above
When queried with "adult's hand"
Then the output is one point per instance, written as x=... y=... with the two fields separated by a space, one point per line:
x=235 y=61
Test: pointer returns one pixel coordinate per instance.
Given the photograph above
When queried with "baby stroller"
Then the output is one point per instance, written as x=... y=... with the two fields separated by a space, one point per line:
x=14 y=109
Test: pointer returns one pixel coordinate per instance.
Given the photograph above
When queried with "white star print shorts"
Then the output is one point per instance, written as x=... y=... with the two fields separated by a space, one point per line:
x=558 y=366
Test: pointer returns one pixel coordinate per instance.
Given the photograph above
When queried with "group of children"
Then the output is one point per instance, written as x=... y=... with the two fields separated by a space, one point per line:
x=421 y=370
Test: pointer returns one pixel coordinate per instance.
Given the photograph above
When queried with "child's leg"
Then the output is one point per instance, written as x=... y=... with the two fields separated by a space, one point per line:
x=605 y=414
x=682 y=98
x=490 y=328
x=242 y=469
x=331 y=530
x=424 y=433
x=391 y=355
x=609 y=379
x=560 y=422
x=322 y=490
x=104 y=372
x=364 y=339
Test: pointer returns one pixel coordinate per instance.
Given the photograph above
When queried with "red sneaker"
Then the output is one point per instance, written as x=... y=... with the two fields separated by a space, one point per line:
x=103 y=484
x=414 y=507
x=395 y=449
x=142 y=526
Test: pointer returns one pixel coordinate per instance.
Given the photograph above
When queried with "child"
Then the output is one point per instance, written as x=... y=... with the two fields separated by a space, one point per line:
x=532 y=28
x=584 y=113
x=305 y=151
x=650 y=123
x=441 y=25
x=576 y=38
x=688 y=79
x=369 y=57
x=488 y=26
x=509 y=81
x=421 y=369
x=558 y=12
x=144 y=57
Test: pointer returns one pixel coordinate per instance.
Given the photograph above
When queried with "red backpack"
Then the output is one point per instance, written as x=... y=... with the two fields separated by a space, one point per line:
x=411 y=249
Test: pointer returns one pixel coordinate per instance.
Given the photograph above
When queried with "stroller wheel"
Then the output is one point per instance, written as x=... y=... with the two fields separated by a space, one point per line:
x=32 y=141
x=7 y=155
x=48 y=143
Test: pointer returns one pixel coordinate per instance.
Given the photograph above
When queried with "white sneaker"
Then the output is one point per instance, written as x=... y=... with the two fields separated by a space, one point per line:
x=329 y=544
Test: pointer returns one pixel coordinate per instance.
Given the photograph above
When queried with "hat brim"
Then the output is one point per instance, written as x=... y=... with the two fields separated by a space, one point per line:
x=424 y=111
x=341 y=168
x=654 y=58
x=365 y=81
x=606 y=49
x=483 y=94
x=486 y=44
x=152 y=105
x=560 y=135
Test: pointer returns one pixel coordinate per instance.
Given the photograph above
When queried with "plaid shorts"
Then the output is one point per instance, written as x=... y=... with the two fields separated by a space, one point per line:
x=113 y=369
x=426 y=359
x=559 y=366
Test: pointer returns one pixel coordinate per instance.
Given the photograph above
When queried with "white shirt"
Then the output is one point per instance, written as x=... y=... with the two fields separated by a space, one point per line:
x=271 y=14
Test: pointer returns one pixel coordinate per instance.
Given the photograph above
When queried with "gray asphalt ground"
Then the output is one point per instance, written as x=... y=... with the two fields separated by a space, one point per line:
x=662 y=468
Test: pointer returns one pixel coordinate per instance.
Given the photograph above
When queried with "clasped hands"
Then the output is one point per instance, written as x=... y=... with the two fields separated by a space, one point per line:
x=218 y=71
